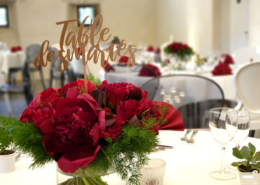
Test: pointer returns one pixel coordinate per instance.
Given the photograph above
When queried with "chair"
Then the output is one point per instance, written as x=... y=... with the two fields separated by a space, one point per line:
x=192 y=95
x=6 y=89
x=32 y=51
x=54 y=71
x=247 y=84
x=246 y=55
x=105 y=45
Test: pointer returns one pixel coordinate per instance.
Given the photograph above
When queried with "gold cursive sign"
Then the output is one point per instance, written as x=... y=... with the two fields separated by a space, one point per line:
x=81 y=40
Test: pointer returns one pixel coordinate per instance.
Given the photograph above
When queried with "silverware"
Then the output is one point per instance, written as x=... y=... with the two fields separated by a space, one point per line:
x=165 y=146
x=184 y=138
x=17 y=157
x=191 y=140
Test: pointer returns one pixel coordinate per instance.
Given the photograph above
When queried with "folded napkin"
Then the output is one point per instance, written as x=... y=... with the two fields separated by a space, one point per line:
x=78 y=51
x=228 y=59
x=123 y=60
x=149 y=70
x=108 y=67
x=222 y=69
x=157 y=51
x=150 y=49
x=16 y=48
x=172 y=118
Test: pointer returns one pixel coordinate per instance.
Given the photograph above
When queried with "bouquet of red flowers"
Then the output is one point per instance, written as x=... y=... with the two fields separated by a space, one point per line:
x=88 y=130
x=183 y=51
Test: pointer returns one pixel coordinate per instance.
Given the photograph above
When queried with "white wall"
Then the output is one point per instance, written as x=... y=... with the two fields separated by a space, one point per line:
x=254 y=23
x=189 y=21
x=35 y=21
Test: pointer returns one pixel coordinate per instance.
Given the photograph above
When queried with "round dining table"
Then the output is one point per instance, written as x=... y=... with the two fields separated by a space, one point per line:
x=10 y=60
x=124 y=74
x=186 y=163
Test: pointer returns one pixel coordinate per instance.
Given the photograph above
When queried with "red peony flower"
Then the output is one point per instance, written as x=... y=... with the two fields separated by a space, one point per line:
x=115 y=129
x=44 y=120
x=78 y=127
x=149 y=70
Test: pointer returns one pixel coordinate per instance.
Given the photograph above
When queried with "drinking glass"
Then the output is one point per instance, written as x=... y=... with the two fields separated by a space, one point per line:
x=243 y=120
x=223 y=127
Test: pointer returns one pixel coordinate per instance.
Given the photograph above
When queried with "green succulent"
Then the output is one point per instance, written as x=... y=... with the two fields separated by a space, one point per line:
x=250 y=158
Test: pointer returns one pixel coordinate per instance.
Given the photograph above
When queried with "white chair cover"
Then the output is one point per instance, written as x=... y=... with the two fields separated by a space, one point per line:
x=247 y=83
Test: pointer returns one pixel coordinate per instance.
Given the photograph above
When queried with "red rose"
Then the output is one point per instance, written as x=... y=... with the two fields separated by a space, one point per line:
x=50 y=98
x=144 y=94
x=73 y=92
x=104 y=84
x=117 y=92
x=115 y=129
x=78 y=127
x=81 y=83
x=43 y=120
x=127 y=109
x=64 y=89
x=34 y=104
x=27 y=115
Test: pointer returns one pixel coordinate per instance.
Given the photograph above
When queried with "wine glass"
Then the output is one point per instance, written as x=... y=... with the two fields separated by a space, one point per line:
x=243 y=120
x=223 y=127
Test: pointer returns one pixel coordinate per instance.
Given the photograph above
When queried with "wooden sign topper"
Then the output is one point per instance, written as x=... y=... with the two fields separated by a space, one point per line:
x=81 y=40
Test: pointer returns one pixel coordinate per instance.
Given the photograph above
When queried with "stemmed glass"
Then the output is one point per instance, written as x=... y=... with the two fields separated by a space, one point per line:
x=243 y=120
x=223 y=127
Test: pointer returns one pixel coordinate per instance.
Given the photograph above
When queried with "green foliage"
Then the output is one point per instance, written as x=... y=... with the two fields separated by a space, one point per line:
x=28 y=139
x=129 y=152
x=163 y=111
x=181 y=53
x=250 y=158
x=94 y=80
x=7 y=129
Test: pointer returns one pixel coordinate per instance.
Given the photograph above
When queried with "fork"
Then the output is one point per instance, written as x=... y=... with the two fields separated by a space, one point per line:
x=191 y=140
x=184 y=138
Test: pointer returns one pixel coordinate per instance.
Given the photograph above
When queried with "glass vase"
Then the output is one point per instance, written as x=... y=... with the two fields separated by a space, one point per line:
x=83 y=176
x=177 y=63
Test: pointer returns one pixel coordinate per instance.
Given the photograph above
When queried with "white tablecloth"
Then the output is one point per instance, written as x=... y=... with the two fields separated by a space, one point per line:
x=186 y=164
x=11 y=60
x=128 y=76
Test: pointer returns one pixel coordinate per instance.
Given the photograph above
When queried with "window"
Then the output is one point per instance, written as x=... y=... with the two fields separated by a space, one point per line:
x=84 y=11
x=4 y=16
